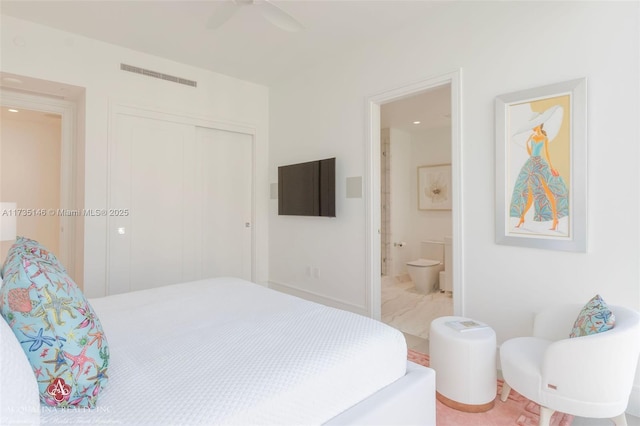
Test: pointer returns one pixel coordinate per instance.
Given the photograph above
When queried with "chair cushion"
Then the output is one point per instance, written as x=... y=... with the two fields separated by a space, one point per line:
x=595 y=317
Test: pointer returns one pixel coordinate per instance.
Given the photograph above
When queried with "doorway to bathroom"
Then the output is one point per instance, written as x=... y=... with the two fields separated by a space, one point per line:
x=416 y=191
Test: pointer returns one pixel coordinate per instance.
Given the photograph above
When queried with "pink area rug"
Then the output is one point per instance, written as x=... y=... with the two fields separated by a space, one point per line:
x=516 y=411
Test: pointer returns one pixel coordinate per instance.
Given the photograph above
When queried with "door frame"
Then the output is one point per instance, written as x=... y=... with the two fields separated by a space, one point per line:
x=372 y=187
x=68 y=165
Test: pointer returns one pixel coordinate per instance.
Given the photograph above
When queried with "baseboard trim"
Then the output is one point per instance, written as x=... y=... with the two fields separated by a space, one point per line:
x=318 y=298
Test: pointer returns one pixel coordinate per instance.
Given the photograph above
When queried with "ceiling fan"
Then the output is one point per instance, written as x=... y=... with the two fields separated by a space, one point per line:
x=270 y=11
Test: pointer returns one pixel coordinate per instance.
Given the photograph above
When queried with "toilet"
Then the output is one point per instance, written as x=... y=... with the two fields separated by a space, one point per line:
x=425 y=271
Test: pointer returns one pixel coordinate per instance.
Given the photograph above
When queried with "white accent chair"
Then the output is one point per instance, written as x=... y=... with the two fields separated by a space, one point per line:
x=589 y=376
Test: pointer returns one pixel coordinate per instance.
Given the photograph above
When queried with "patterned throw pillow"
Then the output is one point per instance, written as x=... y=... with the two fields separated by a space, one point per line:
x=56 y=327
x=595 y=317
x=24 y=245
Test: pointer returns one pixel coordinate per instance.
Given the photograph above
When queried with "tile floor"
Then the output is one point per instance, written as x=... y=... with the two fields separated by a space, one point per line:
x=411 y=312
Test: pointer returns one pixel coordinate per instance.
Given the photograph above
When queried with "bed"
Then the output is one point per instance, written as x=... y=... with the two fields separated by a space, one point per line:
x=225 y=351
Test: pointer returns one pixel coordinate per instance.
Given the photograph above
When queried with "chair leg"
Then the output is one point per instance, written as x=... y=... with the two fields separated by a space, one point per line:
x=620 y=420
x=545 y=416
x=504 y=395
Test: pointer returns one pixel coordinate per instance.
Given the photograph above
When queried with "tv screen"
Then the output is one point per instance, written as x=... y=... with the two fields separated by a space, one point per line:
x=307 y=189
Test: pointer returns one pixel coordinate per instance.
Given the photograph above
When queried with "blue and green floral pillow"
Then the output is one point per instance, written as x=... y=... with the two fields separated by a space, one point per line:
x=56 y=327
x=595 y=317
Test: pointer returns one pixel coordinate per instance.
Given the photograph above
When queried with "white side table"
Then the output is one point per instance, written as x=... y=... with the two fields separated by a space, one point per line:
x=465 y=365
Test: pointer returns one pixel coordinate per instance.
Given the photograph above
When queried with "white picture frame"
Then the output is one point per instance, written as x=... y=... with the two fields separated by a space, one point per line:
x=541 y=167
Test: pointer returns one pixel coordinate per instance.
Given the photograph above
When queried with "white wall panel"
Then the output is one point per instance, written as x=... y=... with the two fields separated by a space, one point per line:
x=157 y=205
x=147 y=163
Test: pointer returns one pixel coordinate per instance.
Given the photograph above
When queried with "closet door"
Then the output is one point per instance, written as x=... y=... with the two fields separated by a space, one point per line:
x=148 y=161
x=226 y=162
x=181 y=196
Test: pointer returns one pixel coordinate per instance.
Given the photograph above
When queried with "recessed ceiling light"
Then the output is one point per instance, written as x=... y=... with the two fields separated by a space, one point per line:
x=416 y=122
x=12 y=110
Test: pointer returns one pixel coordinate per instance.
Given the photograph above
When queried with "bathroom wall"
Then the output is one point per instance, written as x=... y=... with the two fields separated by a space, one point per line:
x=409 y=150
x=428 y=147
x=400 y=200
x=385 y=207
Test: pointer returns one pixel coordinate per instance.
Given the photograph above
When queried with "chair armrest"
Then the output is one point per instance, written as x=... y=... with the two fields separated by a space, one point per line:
x=598 y=367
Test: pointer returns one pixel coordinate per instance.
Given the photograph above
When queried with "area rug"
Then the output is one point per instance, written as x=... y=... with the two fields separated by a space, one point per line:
x=516 y=411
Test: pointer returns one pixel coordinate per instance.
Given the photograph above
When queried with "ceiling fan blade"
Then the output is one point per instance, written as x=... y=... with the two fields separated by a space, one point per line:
x=222 y=14
x=279 y=17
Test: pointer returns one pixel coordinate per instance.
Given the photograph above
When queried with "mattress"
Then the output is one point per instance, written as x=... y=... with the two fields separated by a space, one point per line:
x=227 y=351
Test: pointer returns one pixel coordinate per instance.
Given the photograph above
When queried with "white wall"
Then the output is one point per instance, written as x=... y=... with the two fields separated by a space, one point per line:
x=400 y=200
x=429 y=147
x=58 y=56
x=501 y=47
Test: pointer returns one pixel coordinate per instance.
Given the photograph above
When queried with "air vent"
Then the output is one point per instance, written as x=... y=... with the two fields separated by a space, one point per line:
x=159 y=75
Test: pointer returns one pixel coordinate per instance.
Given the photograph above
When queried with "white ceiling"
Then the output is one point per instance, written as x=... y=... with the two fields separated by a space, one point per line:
x=247 y=46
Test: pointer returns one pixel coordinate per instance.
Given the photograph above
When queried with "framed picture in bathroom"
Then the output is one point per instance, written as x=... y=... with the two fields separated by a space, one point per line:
x=434 y=187
x=541 y=167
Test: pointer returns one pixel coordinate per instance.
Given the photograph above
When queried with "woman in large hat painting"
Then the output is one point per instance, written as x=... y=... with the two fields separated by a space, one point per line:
x=539 y=183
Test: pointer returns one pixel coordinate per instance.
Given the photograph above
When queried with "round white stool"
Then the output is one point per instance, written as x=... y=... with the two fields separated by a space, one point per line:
x=465 y=365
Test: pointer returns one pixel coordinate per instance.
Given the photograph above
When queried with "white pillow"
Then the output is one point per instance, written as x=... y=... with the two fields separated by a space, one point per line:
x=19 y=397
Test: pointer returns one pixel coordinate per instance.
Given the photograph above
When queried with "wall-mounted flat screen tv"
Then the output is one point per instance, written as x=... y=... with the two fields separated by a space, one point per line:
x=307 y=189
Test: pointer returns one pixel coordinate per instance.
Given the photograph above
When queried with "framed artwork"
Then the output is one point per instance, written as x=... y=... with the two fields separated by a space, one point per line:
x=434 y=187
x=541 y=167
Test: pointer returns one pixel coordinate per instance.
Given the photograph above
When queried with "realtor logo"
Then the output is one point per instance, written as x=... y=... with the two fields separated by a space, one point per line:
x=59 y=390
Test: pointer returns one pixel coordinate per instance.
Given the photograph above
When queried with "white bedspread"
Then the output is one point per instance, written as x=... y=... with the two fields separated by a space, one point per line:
x=226 y=351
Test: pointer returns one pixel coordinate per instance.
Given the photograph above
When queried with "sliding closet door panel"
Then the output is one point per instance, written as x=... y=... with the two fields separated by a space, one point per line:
x=226 y=161
x=156 y=203
x=148 y=180
x=119 y=227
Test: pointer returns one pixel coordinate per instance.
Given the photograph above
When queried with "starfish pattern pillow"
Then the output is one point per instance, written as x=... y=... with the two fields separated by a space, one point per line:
x=595 y=317
x=26 y=246
x=57 y=329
